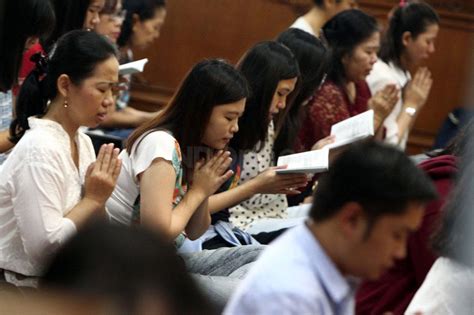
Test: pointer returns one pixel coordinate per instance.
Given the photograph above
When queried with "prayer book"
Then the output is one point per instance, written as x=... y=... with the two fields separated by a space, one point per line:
x=307 y=162
x=133 y=67
x=352 y=129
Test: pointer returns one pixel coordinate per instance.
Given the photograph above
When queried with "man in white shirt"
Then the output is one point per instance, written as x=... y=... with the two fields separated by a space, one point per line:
x=364 y=209
x=320 y=13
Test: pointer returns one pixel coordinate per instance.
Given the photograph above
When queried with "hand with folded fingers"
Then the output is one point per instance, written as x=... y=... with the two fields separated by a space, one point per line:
x=416 y=91
x=384 y=101
x=101 y=175
x=209 y=174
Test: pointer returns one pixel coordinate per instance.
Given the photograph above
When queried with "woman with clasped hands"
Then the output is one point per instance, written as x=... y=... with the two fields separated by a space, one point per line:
x=51 y=183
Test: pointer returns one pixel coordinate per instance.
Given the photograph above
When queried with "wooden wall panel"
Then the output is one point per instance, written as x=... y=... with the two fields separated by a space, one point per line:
x=197 y=29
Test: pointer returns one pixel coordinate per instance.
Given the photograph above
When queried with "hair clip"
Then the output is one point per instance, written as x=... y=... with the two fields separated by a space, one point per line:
x=41 y=64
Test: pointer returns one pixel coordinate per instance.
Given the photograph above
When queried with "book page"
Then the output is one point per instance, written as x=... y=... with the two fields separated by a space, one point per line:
x=352 y=129
x=133 y=67
x=306 y=162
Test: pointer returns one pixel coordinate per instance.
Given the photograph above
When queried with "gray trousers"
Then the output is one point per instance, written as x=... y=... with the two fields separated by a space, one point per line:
x=218 y=272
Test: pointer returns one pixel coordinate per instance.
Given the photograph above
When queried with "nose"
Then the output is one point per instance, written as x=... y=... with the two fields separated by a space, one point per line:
x=431 y=48
x=95 y=19
x=373 y=59
x=235 y=127
x=401 y=251
x=282 y=104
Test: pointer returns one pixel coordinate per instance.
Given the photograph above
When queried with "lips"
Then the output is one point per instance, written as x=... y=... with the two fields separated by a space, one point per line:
x=101 y=116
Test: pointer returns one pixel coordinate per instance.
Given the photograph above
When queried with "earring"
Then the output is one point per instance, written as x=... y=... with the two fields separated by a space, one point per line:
x=65 y=104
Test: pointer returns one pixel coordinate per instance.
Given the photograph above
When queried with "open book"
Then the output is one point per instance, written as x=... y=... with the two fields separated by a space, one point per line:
x=133 y=67
x=352 y=129
x=307 y=162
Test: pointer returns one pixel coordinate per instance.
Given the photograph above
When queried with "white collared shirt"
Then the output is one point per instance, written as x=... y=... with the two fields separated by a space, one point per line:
x=39 y=185
x=381 y=75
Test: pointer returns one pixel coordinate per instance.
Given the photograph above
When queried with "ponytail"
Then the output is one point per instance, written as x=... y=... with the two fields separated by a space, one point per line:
x=32 y=100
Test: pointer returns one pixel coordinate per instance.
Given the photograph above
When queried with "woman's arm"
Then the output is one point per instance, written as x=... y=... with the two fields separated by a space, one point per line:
x=157 y=185
x=191 y=214
x=40 y=198
x=267 y=182
x=5 y=143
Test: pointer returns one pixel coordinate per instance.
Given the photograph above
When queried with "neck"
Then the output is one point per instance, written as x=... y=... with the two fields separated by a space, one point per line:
x=58 y=113
x=405 y=63
x=316 y=18
x=324 y=234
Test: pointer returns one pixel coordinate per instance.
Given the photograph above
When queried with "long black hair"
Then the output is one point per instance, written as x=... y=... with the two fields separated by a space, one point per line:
x=264 y=65
x=21 y=19
x=413 y=17
x=70 y=15
x=208 y=84
x=77 y=54
x=144 y=9
x=343 y=33
x=311 y=56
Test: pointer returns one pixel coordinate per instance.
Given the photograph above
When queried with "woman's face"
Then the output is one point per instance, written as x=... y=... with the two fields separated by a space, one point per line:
x=359 y=63
x=420 y=48
x=89 y=101
x=92 y=14
x=223 y=124
x=284 y=88
x=111 y=23
x=145 y=32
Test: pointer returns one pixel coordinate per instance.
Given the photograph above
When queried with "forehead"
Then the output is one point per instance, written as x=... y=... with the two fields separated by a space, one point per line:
x=409 y=220
x=287 y=84
x=236 y=107
x=372 y=41
x=106 y=70
x=96 y=3
x=431 y=31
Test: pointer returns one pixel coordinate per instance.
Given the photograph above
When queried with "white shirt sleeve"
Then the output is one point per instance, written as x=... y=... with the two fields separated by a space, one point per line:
x=380 y=76
x=159 y=144
x=38 y=207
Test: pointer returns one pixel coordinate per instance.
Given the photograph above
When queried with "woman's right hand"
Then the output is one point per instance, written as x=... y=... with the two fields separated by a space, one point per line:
x=269 y=182
x=210 y=174
x=101 y=176
x=384 y=101
x=416 y=91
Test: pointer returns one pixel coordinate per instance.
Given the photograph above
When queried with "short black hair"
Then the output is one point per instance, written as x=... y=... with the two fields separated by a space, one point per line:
x=124 y=264
x=379 y=177
x=21 y=19
x=343 y=33
x=414 y=17
x=145 y=9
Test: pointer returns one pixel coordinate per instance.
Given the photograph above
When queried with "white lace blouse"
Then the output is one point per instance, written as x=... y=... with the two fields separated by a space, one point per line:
x=39 y=185
x=258 y=206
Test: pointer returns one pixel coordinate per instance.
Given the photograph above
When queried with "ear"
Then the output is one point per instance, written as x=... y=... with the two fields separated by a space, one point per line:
x=352 y=220
x=64 y=85
x=406 y=38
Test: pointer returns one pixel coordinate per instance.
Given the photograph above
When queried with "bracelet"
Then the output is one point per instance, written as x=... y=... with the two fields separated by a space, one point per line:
x=410 y=111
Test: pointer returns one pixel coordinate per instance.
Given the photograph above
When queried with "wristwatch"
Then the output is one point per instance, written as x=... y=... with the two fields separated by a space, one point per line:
x=410 y=111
